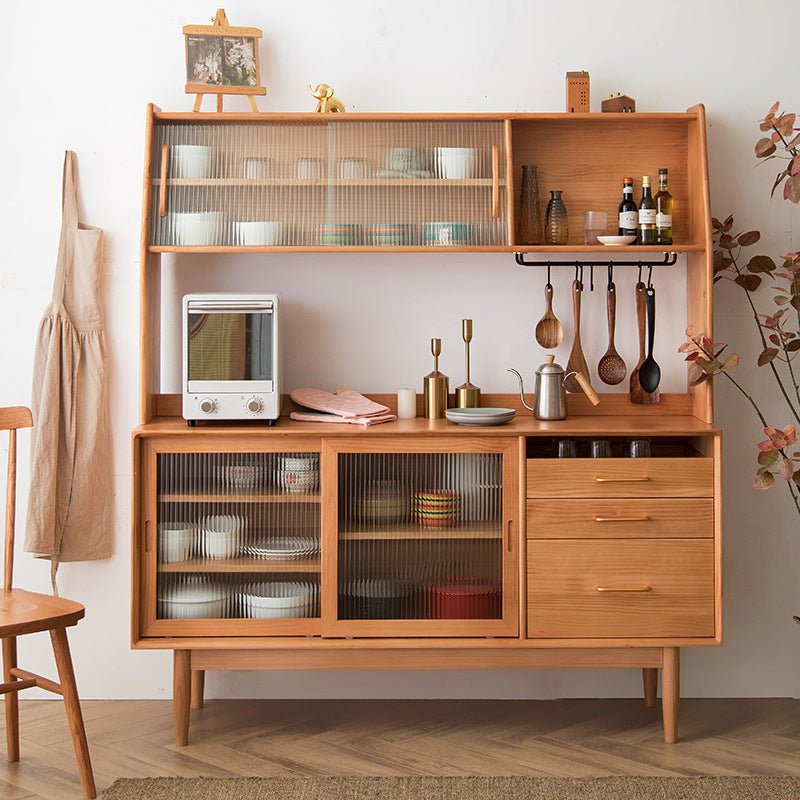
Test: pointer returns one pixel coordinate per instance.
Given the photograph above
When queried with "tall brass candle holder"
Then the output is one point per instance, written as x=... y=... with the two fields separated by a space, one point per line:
x=435 y=386
x=467 y=395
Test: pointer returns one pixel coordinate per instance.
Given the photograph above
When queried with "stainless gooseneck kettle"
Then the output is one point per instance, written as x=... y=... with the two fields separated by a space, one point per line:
x=549 y=395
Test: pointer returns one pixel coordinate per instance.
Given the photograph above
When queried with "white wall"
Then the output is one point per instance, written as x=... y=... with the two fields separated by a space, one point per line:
x=80 y=78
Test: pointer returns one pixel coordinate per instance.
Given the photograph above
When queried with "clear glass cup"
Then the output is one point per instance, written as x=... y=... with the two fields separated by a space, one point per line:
x=595 y=223
x=565 y=448
x=639 y=448
x=600 y=448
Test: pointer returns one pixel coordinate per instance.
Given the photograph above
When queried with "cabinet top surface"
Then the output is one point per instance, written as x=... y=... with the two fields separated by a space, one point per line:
x=521 y=425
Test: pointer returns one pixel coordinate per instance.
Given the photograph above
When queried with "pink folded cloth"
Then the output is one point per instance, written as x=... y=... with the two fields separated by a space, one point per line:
x=344 y=405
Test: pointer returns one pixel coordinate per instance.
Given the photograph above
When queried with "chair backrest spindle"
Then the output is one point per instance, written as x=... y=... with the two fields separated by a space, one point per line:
x=11 y=419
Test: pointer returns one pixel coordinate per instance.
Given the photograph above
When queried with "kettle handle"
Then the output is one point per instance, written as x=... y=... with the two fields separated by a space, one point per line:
x=587 y=387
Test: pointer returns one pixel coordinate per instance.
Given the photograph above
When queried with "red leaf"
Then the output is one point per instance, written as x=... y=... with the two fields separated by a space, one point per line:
x=761 y=264
x=765 y=147
x=748 y=282
x=785 y=468
x=746 y=239
x=794 y=167
x=767 y=356
x=775 y=339
x=764 y=479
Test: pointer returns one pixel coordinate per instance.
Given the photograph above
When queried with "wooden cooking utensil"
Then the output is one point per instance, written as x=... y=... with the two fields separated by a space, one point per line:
x=637 y=394
x=650 y=372
x=549 y=331
x=611 y=367
x=577 y=361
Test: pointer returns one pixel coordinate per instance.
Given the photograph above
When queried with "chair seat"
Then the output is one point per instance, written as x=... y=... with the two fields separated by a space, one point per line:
x=24 y=612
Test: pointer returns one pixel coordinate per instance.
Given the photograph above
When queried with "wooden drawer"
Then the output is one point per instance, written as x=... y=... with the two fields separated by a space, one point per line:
x=620 y=477
x=624 y=518
x=627 y=588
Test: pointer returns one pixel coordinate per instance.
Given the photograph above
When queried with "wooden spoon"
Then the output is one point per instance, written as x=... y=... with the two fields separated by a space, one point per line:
x=549 y=331
x=639 y=395
x=650 y=372
x=611 y=367
x=577 y=362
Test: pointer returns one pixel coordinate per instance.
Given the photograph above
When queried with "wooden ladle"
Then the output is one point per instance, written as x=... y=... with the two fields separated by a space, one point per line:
x=611 y=367
x=577 y=361
x=549 y=331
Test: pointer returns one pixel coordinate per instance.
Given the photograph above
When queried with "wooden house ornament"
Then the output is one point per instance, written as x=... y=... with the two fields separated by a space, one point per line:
x=578 y=92
x=619 y=103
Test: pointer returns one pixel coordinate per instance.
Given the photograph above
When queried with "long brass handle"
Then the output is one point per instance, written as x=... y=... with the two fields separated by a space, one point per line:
x=509 y=541
x=495 y=181
x=622 y=588
x=162 y=189
x=622 y=480
x=621 y=519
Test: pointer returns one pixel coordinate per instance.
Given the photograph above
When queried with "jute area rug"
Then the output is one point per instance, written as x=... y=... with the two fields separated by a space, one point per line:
x=471 y=788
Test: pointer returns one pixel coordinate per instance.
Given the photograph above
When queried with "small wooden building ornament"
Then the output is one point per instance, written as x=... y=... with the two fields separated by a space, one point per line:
x=619 y=103
x=577 y=92
x=222 y=60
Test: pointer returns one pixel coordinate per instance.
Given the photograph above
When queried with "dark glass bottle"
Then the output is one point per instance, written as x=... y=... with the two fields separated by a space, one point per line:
x=628 y=212
x=530 y=214
x=663 y=210
x=555 y=227
x=647 y=215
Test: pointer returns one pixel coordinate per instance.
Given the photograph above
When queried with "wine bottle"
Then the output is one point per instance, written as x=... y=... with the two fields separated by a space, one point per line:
x=663 y=210
x=647 y=215
x=628 y=213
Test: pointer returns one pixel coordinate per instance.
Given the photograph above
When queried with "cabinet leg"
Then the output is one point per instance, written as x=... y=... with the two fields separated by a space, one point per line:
x=10 y=700
x=198 y=685
x=181 y=694
x=650 y=680
x=670 y=692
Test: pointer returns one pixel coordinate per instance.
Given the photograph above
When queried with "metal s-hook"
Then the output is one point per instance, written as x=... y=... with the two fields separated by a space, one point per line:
x=650 y=277
x=548 y=274
x=639 y=265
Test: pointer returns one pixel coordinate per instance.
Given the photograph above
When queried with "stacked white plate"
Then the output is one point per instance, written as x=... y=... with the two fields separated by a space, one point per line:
x=280 y=599
x=287 y=548
x=480 y=416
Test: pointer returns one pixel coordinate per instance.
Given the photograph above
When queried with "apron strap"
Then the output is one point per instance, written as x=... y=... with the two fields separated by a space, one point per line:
x=69 y=224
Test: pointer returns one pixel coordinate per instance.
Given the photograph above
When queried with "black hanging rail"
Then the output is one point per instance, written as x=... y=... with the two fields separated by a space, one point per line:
x=669 y=260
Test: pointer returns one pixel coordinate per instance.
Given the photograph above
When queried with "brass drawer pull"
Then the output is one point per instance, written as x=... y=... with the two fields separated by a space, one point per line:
x=622 y=480
x=622 y=588
x=622 y=519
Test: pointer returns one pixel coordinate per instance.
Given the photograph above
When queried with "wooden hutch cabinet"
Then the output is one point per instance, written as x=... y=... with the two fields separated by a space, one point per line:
x=420 y=543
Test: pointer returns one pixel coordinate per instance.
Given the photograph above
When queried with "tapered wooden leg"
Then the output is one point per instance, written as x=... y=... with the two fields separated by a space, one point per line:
x=181 y=695
x=198 y=685
x=11 y=701
x=670 y=692
x=66 y=677
x=650 y=680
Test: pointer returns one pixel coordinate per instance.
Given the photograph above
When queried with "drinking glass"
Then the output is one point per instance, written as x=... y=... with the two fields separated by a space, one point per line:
x=639 y=448
x=565 y=448
x=600 y=448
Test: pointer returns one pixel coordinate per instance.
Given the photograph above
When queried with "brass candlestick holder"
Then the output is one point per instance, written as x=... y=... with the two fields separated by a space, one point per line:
x=467 y=395
x=435 y=386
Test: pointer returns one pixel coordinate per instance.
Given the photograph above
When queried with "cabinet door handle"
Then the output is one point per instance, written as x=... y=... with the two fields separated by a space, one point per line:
x=622 y=480
x=622 y=588
x=162 y=189
x=148 y=536
x=509 y=541
x=621 y=519
x=495 y=181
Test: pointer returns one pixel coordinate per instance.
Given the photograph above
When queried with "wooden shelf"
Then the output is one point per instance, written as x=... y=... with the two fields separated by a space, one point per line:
x=434 y=183
x=412 y=532
x=241 y=565
x=237 y=496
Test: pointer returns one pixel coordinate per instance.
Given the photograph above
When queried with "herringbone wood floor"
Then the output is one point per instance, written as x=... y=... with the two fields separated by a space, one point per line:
x=229 y=738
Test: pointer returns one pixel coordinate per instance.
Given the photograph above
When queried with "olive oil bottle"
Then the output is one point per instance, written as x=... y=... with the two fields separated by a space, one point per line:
x=663 y=210
x=647 y=215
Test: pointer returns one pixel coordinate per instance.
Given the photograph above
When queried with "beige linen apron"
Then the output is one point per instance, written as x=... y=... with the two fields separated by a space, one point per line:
x=70 y=505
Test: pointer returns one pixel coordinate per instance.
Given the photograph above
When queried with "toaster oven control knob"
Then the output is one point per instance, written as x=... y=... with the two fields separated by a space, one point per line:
x=208 y=406
x=255 y=406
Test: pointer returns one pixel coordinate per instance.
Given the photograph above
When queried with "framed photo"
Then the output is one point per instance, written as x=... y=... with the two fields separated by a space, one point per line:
x=221 y=59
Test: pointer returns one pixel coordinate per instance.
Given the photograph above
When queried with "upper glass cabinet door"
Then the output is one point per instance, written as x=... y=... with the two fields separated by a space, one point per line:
x=329 y=183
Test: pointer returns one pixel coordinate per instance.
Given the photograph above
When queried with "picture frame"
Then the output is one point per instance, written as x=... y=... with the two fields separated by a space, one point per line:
x=222 y=59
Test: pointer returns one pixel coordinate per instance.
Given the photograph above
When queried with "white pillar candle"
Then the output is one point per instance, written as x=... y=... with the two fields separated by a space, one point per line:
x=406 y=403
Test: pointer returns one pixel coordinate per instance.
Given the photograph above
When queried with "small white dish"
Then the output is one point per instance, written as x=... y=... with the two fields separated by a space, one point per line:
x=480 y=416
x=611 y=241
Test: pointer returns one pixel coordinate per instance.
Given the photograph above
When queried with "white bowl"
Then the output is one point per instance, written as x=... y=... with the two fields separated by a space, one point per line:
x=223 y=523
x=457 y=162
x=258 y=167
x=260 y=232
x=194 y=600
x=611 y=241
x=220 y=545
x=190 y=161
x=176 y=541
x=242 y=476
x=298 y=480
x=198 y=228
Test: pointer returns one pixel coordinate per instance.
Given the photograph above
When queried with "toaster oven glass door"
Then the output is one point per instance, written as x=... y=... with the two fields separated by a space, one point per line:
x=230 y=348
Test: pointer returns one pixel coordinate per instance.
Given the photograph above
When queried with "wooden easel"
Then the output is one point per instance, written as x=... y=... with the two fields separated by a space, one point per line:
x=219 y=28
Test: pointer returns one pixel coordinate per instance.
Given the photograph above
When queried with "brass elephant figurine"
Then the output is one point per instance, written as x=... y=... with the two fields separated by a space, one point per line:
x=327 y=102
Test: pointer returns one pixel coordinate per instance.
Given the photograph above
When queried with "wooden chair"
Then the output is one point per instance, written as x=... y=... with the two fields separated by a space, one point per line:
x=24 y=612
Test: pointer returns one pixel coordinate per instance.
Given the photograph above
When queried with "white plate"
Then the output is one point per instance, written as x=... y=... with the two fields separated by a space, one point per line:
x=480 y=416
x=610 y=241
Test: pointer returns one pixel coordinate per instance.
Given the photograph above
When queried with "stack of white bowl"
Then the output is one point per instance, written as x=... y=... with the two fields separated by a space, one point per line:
x=222 y=535
x=241 y=476
x=192 y=599
x=280 y=599
x=298 y=473
x=176 y=541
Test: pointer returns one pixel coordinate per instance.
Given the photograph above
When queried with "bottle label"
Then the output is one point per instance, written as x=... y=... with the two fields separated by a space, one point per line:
x=628 y=220
x=663 y=220
x=647 y=216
